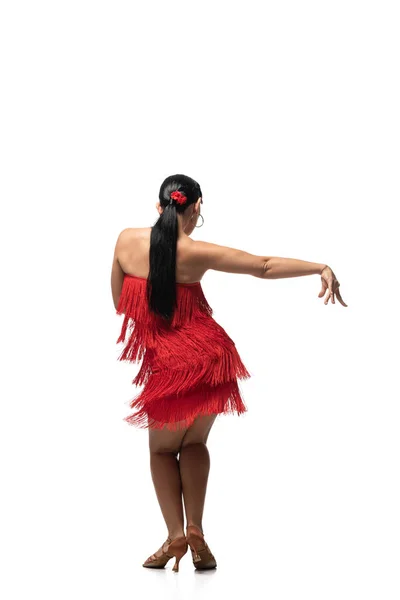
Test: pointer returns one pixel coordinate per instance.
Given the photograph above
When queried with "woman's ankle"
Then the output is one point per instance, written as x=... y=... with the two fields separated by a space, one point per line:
x=194 y=524
x=176 y=534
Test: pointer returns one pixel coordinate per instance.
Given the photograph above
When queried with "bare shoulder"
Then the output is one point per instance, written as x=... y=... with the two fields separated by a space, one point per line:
x=131 y=234
x=228 y=259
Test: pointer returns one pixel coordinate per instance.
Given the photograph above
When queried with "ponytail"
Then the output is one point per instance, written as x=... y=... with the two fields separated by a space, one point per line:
x=177 y=192
x=161 y=292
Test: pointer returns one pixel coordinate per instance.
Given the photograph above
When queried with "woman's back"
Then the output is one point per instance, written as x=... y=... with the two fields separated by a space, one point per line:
x=193 y=258
x=134 y=256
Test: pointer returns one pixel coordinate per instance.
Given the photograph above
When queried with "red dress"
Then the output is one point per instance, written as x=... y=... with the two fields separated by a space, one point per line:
x=190 y=365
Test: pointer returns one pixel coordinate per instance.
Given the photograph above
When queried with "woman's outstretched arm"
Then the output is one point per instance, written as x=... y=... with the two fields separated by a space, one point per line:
x=277 y=267
x=233 y=260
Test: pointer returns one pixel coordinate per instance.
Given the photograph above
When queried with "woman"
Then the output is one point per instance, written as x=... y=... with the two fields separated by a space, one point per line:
x=191 y=367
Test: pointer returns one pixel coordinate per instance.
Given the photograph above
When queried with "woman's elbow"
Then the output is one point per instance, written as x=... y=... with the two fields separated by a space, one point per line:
x=261 y=270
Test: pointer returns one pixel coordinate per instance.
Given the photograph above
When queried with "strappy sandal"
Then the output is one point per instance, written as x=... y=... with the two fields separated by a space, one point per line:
x=202 y=556
x=176 y=548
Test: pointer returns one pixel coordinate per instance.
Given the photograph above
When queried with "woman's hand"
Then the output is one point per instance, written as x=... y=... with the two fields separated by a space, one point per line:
x=330 y=283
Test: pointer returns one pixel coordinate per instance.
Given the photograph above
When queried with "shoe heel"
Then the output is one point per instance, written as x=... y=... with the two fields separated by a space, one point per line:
x=178 y=548
x=195 y=543
x=176 y=565
x=202 y=556
x=196 y=557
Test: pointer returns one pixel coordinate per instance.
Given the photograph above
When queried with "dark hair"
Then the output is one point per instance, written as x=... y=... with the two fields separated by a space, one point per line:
x=161 y=282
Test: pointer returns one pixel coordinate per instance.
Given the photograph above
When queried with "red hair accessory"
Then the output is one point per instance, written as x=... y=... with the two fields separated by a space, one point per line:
x=179 y=197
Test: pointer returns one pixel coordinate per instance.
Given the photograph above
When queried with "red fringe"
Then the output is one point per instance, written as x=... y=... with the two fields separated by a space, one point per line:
x=177 y=412
x=190 y=366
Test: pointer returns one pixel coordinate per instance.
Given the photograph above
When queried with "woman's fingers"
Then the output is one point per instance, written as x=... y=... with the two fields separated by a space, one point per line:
x=323 y=289
x=330 y=290
x=328 y=295
x=339 y=297
x=331 y=295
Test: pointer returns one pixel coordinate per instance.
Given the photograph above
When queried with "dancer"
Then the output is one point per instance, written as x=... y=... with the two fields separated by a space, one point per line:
x=191 y=369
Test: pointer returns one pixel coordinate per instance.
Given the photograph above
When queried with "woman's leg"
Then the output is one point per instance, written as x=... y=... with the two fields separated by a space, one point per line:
x=164 y=446
x=194 y=466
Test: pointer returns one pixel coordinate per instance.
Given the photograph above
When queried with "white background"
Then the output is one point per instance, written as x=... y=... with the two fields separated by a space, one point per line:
x=287 y=114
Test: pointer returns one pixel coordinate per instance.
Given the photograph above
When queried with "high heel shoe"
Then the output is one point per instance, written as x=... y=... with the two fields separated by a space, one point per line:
x=176 y=548
x=202 y=556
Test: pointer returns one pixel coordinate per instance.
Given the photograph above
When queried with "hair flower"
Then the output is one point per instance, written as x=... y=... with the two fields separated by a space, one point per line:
x=179 y=197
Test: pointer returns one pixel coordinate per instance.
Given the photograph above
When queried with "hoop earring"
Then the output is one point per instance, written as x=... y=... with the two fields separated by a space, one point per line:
x=197 y=226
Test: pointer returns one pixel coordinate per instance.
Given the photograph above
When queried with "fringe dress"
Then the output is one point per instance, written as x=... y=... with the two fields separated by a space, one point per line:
x=190 y=365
